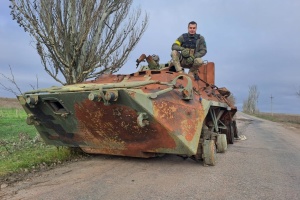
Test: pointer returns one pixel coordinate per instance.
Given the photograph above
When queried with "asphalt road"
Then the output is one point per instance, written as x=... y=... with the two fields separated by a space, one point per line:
x=264 y=166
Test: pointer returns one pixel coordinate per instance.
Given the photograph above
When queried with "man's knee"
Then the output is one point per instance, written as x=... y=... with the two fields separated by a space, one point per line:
x=196 y=65
x=198 y=62
x=175 y=54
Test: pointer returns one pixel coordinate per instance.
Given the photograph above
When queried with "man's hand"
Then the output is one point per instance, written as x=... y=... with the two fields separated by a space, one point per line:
x=190 y=60
x=181 y=48
x=185 y=53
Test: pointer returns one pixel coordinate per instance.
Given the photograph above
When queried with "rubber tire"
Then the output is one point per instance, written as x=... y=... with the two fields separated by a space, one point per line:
x=230 y=133
x=236 y=134
x=209 y=152
x=221 y=143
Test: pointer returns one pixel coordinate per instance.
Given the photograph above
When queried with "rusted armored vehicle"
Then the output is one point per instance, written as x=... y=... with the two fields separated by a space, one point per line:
x=144 y=114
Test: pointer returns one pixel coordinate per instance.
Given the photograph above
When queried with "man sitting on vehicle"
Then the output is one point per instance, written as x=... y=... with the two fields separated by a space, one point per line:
x=188 y=50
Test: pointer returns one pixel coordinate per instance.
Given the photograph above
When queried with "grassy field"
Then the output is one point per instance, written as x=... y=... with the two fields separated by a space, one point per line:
x=277 y=117
x=21 y=148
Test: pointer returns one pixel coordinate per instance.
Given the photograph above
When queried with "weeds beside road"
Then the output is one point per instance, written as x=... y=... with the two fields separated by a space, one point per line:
x=21 y=148
x=287 y=119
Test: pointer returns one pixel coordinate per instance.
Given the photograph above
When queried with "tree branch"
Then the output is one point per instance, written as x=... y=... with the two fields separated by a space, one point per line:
x=13 y=81
x=81 y=39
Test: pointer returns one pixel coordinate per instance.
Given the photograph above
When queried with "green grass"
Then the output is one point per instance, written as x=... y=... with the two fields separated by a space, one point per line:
x=13 y=122
x=29 y=158
x=20 y=146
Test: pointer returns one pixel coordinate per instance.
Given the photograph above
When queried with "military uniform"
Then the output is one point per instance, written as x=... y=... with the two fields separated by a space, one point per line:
x=194 y=46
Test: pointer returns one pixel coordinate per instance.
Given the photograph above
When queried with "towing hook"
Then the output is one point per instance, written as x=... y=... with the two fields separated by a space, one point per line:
x=142 y=120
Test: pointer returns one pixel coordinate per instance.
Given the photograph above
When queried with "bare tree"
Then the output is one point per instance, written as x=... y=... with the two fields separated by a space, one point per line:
x=81 y=39
x=250 y=104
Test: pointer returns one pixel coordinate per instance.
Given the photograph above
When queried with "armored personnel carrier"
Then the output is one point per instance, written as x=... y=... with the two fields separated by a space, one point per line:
x=144 y=114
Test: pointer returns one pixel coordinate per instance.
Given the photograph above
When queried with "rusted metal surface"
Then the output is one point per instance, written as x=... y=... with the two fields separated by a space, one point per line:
x=115 y=127
x=207 y=72
x=141 y=114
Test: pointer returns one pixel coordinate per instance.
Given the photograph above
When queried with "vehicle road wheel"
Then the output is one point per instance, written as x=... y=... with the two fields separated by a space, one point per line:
x=230 y=133
x=209 y=152
x=221 y=143
x=236 y=135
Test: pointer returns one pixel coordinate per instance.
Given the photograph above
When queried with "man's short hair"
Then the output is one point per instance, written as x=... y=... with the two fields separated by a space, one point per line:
x=192 y=22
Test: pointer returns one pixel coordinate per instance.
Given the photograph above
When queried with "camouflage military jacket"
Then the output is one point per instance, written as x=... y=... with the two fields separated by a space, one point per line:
x=200 y=50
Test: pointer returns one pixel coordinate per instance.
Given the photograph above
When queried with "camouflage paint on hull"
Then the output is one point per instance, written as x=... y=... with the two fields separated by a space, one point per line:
x=140 y=115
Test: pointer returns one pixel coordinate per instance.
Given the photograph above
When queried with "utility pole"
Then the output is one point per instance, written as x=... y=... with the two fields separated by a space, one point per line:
x=271 y=104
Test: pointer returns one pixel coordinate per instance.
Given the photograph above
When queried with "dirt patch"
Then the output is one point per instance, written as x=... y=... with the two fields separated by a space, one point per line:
x=9 y=103
x=291 y=126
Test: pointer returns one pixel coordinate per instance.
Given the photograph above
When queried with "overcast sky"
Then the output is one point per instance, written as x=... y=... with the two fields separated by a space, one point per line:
x=251 y=42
